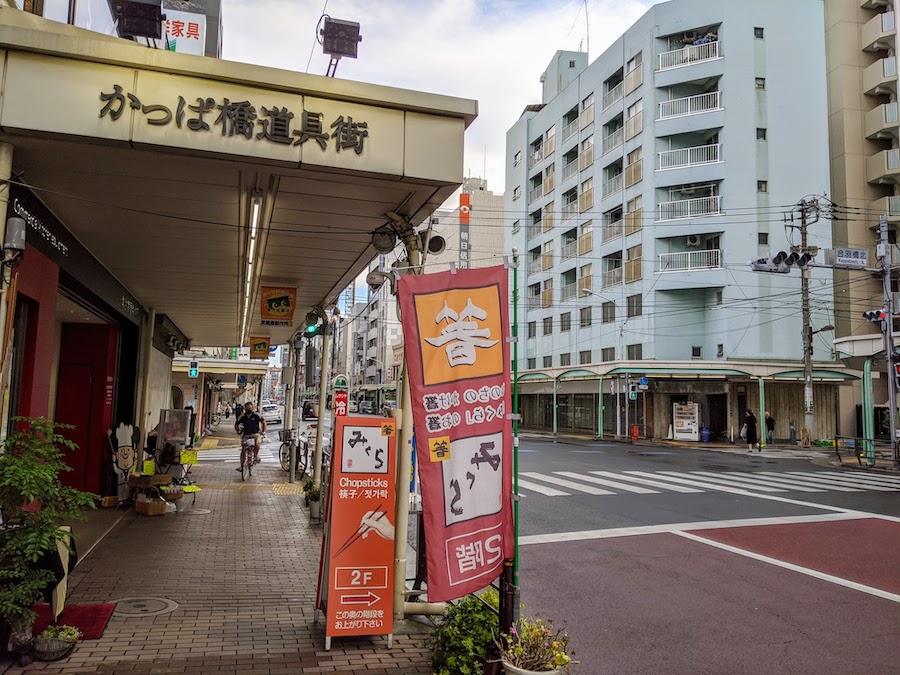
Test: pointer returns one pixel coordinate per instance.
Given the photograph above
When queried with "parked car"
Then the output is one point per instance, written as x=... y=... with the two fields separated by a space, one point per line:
x=309 y=410
x=271 y=413
x=352 y=406
x=367 y=407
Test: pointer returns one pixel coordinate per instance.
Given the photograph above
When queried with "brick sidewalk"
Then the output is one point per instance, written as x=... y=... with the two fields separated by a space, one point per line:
x=244 y=578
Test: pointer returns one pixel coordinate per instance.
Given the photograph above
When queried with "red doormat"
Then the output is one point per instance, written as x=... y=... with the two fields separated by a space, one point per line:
x=91 y=620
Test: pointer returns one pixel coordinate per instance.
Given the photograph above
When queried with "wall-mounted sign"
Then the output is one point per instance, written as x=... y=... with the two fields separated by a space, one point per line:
x=259 y=347
x=277 y=305
x=464 y=249
x=185 y=32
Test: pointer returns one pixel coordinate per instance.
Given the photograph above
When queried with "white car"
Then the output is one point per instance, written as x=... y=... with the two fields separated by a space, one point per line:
x=271 y=413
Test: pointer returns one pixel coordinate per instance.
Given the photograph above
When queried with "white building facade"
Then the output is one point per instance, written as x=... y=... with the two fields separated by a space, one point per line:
x=638 y=191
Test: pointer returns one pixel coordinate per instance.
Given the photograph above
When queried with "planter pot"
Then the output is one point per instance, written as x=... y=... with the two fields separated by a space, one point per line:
x=314 y=510
x=515 y=670
x=52 y=649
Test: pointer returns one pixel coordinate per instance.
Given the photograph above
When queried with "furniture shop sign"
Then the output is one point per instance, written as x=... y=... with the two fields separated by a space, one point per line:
x=277 y=305
x=356 y=582
x=455 y=328
x=259 y=347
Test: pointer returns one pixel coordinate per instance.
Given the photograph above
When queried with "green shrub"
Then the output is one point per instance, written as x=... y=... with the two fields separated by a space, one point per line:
x=462 y=641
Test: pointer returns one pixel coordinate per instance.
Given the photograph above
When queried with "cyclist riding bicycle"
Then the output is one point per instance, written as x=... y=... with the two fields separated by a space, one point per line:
x=251 y=424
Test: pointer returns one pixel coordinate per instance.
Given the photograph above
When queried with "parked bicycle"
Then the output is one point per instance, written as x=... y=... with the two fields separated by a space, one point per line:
x=304 y=453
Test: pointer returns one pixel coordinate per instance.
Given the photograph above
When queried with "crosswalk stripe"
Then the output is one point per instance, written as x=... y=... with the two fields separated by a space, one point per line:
x=766 y=480
x=849 y=482
x=752 y=481
x=693 y=483
x=607 y=483
x=718 y=478
x=887 y=481
x=644 y=481
x=814 y=482
x=550 y=492
x=566 y=483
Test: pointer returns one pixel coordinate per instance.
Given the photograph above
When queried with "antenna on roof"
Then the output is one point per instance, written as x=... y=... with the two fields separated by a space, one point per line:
x=587 y=24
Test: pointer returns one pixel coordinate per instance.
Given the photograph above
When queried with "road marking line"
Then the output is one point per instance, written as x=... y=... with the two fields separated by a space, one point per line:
x=753 y=478
x=853 y=480
x=694 y=483
x=726 y=480
x=863 y=485
x=616 y=532
x=791 y=566
x=855 y=475
x=607 y=483
x=566 y=483
x=550 y=492
x=644 y=481
x=815 y=482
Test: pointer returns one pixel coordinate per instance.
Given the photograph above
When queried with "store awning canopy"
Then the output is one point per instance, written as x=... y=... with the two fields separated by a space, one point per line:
x=532 y=377
x=577 y=374
x=817 y=375
x=194 y=179
x=678 y=372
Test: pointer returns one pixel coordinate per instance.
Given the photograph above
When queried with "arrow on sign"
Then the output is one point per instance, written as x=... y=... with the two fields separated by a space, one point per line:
x=368 y=599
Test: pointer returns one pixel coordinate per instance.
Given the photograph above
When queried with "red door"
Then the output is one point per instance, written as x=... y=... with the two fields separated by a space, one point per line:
x=73 y=406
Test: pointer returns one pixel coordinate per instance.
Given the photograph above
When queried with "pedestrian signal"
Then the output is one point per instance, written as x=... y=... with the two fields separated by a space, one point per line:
x=194 y=369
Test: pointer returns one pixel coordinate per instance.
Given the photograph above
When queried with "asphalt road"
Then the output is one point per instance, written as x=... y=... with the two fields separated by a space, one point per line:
x=679 y=560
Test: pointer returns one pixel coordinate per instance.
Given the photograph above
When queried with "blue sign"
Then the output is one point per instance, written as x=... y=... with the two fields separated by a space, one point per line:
x=273 y=349
x=643 y=381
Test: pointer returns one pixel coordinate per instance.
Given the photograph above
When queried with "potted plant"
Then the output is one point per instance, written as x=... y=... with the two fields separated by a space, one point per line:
x=56 y=642
x=314 y=495
x=533 y=646
x=33 y=501
x=463 y=641
x=307 y=486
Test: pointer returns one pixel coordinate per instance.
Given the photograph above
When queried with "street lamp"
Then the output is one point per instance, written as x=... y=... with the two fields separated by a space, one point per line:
x=808 y=420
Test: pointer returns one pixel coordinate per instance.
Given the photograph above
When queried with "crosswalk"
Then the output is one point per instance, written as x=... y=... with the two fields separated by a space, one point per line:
x=267 y=455
x=568 y=483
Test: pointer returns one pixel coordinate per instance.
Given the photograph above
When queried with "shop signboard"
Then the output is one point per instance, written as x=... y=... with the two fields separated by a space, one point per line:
x=686 y=418
x=185 y=32
x=356 y=578
x=277 y=305
x=455 y=328
x=259 y=347
x=341 y=403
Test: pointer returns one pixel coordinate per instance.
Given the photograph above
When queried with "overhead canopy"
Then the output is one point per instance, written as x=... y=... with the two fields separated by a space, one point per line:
x=676 y=372
x=817 y=375
x=162 y=164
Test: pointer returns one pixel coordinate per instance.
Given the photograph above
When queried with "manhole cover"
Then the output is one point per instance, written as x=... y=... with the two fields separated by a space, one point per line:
x=193 y=512
x=145 y=606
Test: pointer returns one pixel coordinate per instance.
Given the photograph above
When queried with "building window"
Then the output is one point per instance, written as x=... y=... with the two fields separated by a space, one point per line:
x=634 y=305
x=760 y=134
x=760 y=83
x=608 y=354
x=609 y=312
x=548 y=325
x=517 y=158
x=584 y=357
x=696 y=352
x=718 y=297
x=516 y=227
x=548 y=362
x=635 y=352
x=565 y=322
x=585 y=317
x=531 y=364
x=517 y=192
x=532 y=329
x=759 y=32
x=720 y=350
x=565 y=359
x=762 y=186
x=763 y=238
x=571 y=64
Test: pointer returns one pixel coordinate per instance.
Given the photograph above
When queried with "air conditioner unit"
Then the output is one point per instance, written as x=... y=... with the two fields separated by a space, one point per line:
x=692 y=240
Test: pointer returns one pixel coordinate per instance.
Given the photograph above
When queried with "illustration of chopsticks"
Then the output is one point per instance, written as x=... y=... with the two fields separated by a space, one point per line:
x=359 y=532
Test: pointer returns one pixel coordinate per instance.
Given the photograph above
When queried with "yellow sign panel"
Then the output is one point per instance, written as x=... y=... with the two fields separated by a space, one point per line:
x=149 y=467
x=439 y=448
x=188 y=456
x=259 y=347
x=277 y=305
x=388 y=429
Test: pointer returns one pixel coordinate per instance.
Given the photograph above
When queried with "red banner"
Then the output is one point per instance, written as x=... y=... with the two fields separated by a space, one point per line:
x=455 y=328
x=341 y=403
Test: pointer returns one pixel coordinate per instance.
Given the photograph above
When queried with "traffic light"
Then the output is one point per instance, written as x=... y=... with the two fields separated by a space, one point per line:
x=312 y=329
x=780 y=262
x=875 y=315
x=897 y=373
x=194 y=369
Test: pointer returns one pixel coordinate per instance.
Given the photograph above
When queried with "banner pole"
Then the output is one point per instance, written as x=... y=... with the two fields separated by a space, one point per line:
x=515 y=402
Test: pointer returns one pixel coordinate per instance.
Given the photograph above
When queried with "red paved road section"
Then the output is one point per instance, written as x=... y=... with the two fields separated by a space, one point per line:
x=866 y=551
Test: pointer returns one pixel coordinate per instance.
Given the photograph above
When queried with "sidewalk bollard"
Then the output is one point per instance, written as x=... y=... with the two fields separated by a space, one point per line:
x=635 y=433
x=793 y=433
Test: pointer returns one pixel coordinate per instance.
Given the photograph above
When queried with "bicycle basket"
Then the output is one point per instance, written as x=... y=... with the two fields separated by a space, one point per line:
x=250 y=441
x=285 y=434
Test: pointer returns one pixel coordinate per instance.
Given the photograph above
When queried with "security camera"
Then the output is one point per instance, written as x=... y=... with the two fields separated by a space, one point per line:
x=14 y=242
x=376 y=280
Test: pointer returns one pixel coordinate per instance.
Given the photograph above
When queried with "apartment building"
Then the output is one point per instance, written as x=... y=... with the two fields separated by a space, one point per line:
x=864 y=125
x=640 y=187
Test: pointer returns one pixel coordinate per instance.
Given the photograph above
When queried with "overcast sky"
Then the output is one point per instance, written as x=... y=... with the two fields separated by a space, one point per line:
x=493 y=51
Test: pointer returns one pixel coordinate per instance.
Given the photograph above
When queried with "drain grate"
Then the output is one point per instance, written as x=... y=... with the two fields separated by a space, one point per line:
x=193 y=512
x=145 y=606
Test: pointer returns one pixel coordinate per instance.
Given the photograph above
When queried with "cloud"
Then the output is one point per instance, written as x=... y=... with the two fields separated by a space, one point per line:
x=493 y=51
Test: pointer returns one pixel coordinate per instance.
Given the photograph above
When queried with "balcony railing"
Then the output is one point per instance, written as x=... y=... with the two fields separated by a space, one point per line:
x=569 y=291
x=570 y=169
x=547 y=297
x=611 y=277
x=634 y=79
x=614 y=140
x=547 y=221
x=634 y=173
x=700 y=154
x=549 y=146
x=586 y=116
x=569 y=210
x=689 y=105
x=536 y=193
x=534 y=302
x=690 y=208
x=586 y=158
x=634 y=125
x=534 y=230
x=570 y=130
x=893 y=158
x=585 y=284
x=613 y=95
x=613 y=185
x=534 y=265
x=537 y=155
x=570 y=249
x=689 y=55
x=548 y=183
x=546 y=260
x=612 y=230
x=586 y=200
x=689 y=261
x=634 y=221
x=585 y=242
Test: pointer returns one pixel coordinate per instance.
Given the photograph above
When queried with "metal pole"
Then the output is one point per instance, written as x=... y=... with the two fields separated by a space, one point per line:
x=323 y=393
x=889 y=336
x=515 y=409
x=147 y=348
x=288 y=425
x=807 y=328
x=627 y=406
x=6 y=158
x=600 y=409
x=868 y=412
x=555 y=406
x=618 y=382
x=761 y=428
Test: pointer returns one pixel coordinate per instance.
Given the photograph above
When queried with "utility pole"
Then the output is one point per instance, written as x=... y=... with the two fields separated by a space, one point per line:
x=884 y=252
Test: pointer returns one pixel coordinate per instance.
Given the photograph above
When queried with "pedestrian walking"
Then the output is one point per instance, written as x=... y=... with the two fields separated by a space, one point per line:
x=752 y=434
x=770 y=428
